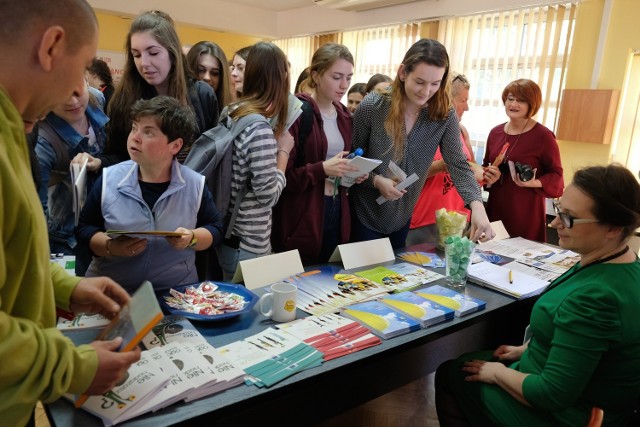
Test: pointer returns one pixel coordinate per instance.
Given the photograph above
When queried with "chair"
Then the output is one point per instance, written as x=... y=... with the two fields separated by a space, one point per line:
x=597 y=415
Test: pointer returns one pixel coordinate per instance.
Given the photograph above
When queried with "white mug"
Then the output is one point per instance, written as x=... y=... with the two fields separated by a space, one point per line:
x=283 y=302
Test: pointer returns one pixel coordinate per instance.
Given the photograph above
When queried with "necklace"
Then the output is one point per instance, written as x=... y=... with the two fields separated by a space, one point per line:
x=506 y=157
x=580 y=268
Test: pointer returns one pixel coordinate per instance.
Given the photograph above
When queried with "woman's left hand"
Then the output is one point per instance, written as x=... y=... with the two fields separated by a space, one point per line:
x=181 y=242
x=532 y=183
x=482 y=371
x=361 y=179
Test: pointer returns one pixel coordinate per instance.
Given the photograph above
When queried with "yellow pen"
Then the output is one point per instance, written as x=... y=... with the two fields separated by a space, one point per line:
x=510 y=276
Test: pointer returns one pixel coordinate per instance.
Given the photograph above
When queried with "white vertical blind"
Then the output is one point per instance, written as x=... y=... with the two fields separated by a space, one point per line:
x=493 y=49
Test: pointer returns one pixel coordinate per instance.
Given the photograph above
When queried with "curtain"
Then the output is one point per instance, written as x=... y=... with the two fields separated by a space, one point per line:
x=493 y=49
x=375 y=50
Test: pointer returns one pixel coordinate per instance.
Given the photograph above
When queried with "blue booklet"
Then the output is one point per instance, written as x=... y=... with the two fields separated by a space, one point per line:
x=381 y=319
x=426 y=311
x=462 y=304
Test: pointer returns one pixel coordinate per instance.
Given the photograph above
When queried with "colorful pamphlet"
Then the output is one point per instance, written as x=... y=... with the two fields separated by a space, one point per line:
x=331 y=334
x=426 y=311
x=461 y=304
x=133 y=322
x=425 y=259
x=82 y=321
x=381 y=319
x=399 y=277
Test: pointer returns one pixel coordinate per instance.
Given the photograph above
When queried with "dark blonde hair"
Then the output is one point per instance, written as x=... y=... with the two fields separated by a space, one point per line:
x=375 y=80
x=424 y=51
x=324 y=57
x=223 y=92
x=458 y=81
x=527 y=91
x=266 y=85
x=133 y=86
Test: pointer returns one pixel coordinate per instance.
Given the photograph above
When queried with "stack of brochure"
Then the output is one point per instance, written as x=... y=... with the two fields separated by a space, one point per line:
x=271 y=356
x=425 y=311
x=332 y=335
x=461 y=304
x=400 y=277
x=381 y=319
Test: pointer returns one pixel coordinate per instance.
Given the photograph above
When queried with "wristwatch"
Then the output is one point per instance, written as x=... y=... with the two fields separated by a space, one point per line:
x=194 y=240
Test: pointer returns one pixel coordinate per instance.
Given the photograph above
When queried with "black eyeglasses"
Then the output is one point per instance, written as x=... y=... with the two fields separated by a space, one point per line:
x=567 y=220
x=462 y=78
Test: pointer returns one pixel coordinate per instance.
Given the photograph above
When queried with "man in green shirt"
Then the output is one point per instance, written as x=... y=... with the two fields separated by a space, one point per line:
x=45 y=47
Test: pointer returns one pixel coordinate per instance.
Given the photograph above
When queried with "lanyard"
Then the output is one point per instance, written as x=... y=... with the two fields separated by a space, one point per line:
x=566 y=276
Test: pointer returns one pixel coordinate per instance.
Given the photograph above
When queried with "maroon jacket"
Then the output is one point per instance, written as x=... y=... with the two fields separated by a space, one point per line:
x=298 y=216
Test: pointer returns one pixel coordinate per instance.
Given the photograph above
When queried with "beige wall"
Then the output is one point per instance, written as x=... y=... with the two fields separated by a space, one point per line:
x=623 y=35
x=114 y=29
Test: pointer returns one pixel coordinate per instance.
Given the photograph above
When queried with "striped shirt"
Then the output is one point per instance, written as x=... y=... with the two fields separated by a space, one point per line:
x=254 y=163
x=420 y=147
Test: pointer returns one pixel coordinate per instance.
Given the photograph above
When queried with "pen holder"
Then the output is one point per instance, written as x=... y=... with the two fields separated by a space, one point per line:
x=458 y=253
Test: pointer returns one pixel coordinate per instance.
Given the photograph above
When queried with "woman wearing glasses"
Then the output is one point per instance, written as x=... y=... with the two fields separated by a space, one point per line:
x=584 y=349
x=523 y=164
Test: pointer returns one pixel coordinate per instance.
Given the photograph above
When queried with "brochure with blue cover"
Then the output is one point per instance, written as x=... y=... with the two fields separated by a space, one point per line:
x=426 y=311
x=381 y=319
x=461 y=304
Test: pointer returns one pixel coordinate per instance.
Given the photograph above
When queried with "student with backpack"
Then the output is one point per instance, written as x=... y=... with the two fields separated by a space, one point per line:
x=313 y=212
x=258 y=160
x=151 y=192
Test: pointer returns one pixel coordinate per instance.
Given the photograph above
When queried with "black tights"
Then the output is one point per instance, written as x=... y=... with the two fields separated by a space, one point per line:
x=449 y=412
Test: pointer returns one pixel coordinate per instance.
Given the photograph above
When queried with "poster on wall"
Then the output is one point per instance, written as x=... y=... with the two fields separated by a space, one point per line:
x=115 y=61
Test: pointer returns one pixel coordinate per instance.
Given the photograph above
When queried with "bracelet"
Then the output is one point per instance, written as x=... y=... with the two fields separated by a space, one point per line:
x=108 y=250
x=284 y=151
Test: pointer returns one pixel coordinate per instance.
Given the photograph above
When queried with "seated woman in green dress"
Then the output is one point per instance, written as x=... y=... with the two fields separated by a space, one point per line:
x=584 y=349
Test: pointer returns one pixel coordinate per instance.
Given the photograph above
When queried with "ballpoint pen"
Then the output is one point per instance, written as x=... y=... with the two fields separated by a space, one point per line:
x=510 y=276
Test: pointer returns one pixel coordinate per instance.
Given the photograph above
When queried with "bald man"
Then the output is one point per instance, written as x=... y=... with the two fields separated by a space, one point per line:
x=45 y=47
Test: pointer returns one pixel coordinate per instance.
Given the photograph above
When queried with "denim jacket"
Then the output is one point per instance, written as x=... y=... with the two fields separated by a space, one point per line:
x=57 y=200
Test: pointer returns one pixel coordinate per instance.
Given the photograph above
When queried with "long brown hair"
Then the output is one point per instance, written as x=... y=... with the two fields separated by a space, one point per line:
x=266 y=85
x=223 y=93
x=429 y=52
x=133 y=86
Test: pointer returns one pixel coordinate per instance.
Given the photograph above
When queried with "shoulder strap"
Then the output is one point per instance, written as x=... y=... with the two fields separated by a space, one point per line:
x=61 y=167
x=236 y=128
x=306 y=122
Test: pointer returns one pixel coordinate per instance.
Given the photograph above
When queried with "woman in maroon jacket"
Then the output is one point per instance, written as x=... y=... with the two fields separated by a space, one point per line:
x=518 y=199
x=312 y=214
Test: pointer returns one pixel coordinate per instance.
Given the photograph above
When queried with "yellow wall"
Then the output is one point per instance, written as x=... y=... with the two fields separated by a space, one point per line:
x=623 y=35
x=114 y=29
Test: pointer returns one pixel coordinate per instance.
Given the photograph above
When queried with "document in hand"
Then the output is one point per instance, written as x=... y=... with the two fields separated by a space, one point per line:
x=79 y=181
x=133 y=322
x=398 y=175
x=499 y=278
x=364 y=166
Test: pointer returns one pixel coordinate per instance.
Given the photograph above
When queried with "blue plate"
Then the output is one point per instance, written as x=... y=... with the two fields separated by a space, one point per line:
x=250 y=298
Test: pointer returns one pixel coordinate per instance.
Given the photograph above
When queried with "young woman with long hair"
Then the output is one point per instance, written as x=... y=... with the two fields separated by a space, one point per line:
x=208 y=63
x=259 y=159
x=406 y=126
x=155 y=65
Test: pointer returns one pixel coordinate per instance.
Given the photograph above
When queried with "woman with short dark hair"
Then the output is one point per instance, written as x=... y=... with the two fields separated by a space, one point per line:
x=530 y=169
x=584 y=349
